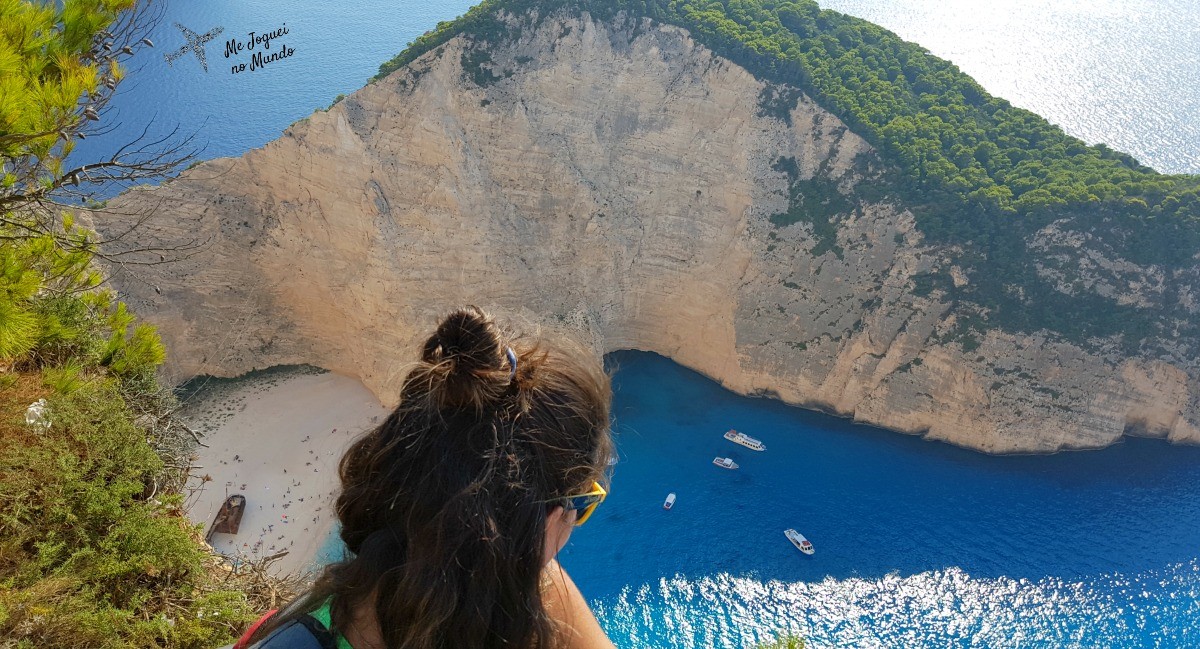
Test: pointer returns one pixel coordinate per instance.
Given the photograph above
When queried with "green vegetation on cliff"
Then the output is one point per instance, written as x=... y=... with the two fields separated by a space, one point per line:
x=976 y=171
x=94 y=548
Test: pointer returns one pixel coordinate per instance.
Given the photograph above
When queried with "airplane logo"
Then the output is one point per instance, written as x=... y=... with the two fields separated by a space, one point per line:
x=195 y=44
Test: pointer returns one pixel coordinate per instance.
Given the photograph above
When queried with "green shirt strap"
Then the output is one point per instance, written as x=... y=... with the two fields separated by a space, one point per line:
x=325 y=616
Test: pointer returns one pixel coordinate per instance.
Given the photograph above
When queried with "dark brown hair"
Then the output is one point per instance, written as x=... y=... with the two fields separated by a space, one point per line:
x=443 y=506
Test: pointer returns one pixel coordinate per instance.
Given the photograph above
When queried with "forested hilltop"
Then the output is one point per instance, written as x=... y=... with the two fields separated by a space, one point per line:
x=977 y=172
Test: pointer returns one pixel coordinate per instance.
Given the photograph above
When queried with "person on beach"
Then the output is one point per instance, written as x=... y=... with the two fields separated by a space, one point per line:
x=454 y=507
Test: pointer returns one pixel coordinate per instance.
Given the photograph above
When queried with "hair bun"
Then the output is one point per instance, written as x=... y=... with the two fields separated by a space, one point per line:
x=468 y=352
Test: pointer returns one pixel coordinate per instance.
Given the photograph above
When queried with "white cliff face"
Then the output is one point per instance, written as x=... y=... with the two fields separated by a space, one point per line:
x=620 y=178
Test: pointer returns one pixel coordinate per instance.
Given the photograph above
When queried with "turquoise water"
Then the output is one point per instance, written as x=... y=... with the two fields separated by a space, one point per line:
x=918 y=544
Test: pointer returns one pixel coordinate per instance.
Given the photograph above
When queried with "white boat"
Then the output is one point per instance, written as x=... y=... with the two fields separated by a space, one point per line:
x=799 y=541
x=745 y=440
x=725 y=462
x=670 y=501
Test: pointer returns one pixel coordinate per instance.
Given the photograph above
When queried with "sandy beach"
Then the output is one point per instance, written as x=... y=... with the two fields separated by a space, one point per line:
x=276 y=439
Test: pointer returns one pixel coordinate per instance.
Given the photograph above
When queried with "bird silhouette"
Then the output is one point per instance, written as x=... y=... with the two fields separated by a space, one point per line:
x=195 y=44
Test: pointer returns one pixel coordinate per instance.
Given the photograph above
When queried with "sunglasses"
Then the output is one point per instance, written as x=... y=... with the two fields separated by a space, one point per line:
x=585 y=504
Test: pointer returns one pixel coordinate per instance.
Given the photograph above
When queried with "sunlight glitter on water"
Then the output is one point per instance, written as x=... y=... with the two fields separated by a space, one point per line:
x=1123 y=73
x=938 y=608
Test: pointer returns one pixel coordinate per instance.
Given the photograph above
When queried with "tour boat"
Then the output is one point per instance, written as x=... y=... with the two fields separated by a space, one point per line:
x=725 y=462
x=745 y=440
x=670 y=501
x=229 y=517
x=799 y=541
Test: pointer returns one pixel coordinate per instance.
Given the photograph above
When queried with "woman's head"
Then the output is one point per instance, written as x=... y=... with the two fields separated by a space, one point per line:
x=454 y=504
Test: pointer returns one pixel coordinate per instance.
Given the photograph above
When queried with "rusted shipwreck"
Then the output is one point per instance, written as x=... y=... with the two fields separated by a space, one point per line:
x=229 y=518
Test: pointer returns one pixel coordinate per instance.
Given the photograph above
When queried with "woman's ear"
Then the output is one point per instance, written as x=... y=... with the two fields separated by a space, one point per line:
x=559 y=523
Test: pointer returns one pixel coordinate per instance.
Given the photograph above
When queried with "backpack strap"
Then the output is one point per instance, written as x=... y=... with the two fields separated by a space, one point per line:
x=311 y=631
x=244 y=641
x=302 y=633
x=323 y=636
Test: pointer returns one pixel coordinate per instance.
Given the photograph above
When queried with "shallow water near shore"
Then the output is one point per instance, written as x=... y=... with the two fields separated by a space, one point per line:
x=916 y=542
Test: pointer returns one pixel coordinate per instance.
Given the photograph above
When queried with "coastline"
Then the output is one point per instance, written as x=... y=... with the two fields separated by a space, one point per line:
x=276 y=438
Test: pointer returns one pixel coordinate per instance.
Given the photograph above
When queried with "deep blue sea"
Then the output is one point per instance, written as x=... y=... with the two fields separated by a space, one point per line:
x=917 y=544
x=336 y=47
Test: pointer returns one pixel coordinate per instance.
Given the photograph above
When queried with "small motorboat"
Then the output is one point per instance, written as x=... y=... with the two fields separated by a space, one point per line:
x=229 y=517
x=725 y=462
x=670 y=502
x=745 y=440
x=799 y=541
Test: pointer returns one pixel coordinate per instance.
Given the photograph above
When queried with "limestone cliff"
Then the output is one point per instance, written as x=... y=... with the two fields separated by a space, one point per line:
x=625 y=177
